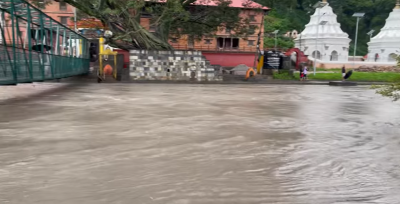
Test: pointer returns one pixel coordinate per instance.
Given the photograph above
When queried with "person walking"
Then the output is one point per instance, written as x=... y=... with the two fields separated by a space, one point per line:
x=343 y=73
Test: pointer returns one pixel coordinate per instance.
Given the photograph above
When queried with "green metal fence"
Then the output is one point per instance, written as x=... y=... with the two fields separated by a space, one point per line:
x=35 y=47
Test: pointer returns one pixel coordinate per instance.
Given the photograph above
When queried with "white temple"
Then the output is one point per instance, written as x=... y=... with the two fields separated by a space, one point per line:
x=325 y=41
x=385 y=46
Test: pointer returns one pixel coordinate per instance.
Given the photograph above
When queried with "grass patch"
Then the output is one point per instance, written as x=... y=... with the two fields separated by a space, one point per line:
x=337 y=76
x=357 y=76
x=283 y=76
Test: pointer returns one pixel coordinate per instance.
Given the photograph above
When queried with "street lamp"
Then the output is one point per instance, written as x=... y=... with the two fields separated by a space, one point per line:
x=276 y=42
x=358 y=16
x=370 y=33
x=319 y=5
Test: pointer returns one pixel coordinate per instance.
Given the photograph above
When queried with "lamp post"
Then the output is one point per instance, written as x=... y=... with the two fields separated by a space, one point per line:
x=276 y=40
x=370 y=33
x=319 y=5
x=358 y=16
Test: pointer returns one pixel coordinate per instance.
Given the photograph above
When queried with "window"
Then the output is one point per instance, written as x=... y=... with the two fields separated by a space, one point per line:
x=174 y=40
x=316 y=54
x=250 y=42
x=252 y=31
x=63 y=6
x=228 y=30
x=228 y=43
x=64 y=20
x=207 y=41
x=235 y=43
x=252 y=18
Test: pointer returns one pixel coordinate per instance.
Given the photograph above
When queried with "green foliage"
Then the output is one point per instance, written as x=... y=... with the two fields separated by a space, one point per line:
x=392 y=91
x=282 y=42
x=273 y=22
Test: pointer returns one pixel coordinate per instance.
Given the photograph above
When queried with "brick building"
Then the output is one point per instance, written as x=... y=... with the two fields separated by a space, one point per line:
x=223 y=40
x=59 y=11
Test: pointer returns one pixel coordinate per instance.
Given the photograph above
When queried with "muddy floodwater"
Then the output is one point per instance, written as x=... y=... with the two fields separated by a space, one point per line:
x=197 y=144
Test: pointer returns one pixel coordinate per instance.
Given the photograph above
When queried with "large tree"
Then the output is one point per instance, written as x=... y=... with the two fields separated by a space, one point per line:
x=168 y=17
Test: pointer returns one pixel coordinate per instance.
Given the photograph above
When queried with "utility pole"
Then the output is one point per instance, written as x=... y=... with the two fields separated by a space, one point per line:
x=276 y=39
x=358 y=16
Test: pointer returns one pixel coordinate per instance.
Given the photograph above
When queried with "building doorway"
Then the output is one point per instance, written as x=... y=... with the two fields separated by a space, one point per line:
x=334 y=56
x=190 y=42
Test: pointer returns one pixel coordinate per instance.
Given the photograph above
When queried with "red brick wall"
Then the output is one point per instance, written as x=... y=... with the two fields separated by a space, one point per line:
x=227 y=59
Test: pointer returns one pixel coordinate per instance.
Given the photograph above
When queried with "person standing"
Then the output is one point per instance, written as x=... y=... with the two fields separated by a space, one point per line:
x=301 y=73
x=343 y=73
x=305 y=72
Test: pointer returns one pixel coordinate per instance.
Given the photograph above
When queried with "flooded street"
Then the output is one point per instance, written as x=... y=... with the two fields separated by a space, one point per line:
x=198 y=144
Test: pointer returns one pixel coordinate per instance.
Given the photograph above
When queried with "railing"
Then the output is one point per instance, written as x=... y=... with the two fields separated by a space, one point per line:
x=219 y=49
x=214 y=48
x=34 y=47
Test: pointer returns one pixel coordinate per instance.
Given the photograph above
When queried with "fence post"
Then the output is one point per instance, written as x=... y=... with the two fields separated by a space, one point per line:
x=5 y=45
x=51 y=50
x=14 y=67
x=42 y=44
x=29 y=31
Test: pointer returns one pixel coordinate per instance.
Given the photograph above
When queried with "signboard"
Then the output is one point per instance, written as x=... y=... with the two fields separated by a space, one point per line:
x=272 y=60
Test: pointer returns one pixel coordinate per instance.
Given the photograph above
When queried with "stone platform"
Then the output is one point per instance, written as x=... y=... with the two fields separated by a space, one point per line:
x=342 y=83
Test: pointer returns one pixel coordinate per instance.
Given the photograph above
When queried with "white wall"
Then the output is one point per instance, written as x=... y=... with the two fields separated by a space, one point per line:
x=350 y=64
x=383 y=56
x=326 y=48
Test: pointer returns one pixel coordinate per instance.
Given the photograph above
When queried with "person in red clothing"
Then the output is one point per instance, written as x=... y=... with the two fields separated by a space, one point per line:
x=301 y=73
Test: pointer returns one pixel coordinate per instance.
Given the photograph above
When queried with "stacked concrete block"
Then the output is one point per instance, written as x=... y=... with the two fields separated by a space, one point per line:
x=171 y=65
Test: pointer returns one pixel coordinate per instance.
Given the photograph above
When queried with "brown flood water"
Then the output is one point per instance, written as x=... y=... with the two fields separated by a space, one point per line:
x=198 y=144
